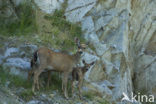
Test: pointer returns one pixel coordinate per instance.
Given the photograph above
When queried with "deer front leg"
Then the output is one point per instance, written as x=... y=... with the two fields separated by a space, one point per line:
x=30 y=72
x=65 y=81
x=79 y=86
x=72 y=87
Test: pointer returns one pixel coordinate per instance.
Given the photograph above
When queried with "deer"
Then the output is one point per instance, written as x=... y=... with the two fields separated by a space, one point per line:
x=78 y=75
x=44 y=59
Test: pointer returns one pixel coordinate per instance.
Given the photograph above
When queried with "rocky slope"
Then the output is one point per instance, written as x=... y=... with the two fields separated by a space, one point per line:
x=122 y=41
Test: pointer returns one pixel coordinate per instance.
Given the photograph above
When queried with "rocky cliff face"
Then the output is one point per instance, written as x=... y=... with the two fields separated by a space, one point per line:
x=122 y=41
x=122 y=33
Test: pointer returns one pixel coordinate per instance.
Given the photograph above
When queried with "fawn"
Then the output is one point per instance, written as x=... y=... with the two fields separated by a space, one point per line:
x=78 y=75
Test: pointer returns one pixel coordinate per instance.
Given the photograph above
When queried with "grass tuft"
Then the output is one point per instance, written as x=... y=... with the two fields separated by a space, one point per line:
x=26 y=95
x=25 y=24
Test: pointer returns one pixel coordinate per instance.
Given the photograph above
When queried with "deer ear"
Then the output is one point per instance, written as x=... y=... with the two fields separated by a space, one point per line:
x=83 y=61
x=77 y=41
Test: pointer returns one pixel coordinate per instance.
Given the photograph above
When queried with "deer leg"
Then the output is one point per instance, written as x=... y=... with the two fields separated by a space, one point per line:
x=65 y=81
x=34 y=83
x=36 y=77
x=49 y=78
x=79 y=86
x=33 y=86
x=72 y=88
x=30 y=72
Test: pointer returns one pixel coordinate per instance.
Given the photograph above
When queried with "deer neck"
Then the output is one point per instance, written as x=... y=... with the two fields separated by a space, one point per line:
x=77 y=56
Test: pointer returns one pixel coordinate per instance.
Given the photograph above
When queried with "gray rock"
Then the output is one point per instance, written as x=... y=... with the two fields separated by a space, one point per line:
x=76 y=10
x=18 y=62
x=87 y=24
x=49 y=6
x=102 y=88
x=72 y=4
x=10 y=51
x=100 y=47
x=8 y=97
x=35 y=102
x=89 y=58
x=102 y=21
x=18 y=2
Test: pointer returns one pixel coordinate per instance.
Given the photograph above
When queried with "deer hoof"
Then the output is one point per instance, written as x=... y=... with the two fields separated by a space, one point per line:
x=67 y=97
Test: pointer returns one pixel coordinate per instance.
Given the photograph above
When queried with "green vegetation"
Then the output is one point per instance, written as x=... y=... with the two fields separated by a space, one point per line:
x=61 y=37
x=26 y=94
x=89 y=95
x=55 y=82
x=54 y=31
x=92 y=95
x=103 y=101
x=13 y=79
x=16 y=82
x=63 y=31
x=23 y=25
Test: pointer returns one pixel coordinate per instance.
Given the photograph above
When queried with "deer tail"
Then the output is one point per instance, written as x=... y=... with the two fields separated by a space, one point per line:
x=34 y=59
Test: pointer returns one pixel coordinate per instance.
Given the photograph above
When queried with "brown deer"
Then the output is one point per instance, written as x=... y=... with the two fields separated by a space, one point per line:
x=45 y=58
x=78 y=75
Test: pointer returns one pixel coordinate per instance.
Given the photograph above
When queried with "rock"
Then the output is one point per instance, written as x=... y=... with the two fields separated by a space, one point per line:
x=89 y=58
x=76 y=10
x=100 y=47
x=146 y=70
x=10 y=51
x=17 y=58
x=35 y=102
x=87 y=24
x=18 y=62
x=49 y=6
x=96 y=74
x=7 y=97
x=122 y=37
x=7 y=12
x=18 y=2
x=72 y=4
x=102 y=21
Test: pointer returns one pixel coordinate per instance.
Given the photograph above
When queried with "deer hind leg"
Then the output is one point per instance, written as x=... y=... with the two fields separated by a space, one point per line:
x=36 y=78
x=65 y=82
x=49 y=78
